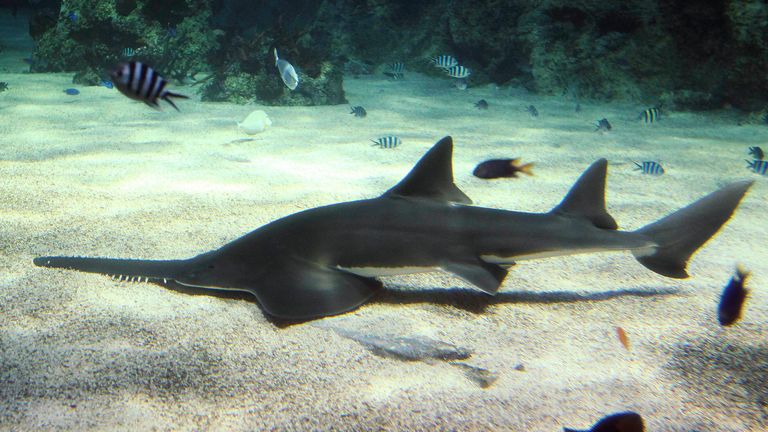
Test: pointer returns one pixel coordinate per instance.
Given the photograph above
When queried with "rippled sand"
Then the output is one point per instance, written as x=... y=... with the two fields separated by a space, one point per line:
x=100 y=175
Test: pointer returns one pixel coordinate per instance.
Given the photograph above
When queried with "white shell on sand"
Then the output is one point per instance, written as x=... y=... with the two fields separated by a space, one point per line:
x=257 y=121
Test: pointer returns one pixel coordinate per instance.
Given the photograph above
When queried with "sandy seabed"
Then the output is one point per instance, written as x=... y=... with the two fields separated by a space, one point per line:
x=100 y=175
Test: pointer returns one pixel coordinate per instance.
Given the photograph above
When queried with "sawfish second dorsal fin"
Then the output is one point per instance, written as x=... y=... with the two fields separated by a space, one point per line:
x=586 y=199
x=432 y=177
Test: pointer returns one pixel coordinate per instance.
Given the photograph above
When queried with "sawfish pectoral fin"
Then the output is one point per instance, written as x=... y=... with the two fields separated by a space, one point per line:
x=298 y=290
x=484 y=275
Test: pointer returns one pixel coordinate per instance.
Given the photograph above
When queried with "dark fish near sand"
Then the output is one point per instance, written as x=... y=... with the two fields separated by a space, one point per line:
x=603 y=125
x=732 y=299
x=758 y=166
x=481 y=104
x=532 y=111
x=140 y=82
x=650 y=115
x=756 y=152
x=72 y=91
x=3 y=86
x=627 y=421
x=650 y=168
x=498 y=168
x=358 y=111
x=287 y=72
x=387 y=142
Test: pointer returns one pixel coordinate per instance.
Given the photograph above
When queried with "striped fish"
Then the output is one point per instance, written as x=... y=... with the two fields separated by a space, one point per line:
x=458 y=72
x=140 y=82
x=650 y=167
x=445 y=61
x=758 y=166
x=650 y=115
x=396 y=70
x=128 y=52
x=387 y=142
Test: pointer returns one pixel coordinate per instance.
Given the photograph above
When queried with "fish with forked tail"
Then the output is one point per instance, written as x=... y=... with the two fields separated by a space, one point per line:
x=324 y=261
x=497 y=168
x=140 y=82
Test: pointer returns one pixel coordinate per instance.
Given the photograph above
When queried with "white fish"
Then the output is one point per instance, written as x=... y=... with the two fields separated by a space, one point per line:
x=287 y=72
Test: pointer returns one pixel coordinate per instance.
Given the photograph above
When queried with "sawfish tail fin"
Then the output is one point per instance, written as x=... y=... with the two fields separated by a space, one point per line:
x=681 y=233
x=122 y=268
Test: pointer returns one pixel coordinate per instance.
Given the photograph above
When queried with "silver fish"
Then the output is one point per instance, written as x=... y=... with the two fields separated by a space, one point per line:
x=287 y=72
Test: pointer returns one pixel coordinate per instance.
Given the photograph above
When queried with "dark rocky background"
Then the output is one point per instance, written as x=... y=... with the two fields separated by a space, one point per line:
x=684 y=55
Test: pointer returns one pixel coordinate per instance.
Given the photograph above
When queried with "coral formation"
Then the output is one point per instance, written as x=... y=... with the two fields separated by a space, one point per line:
x=636 y=50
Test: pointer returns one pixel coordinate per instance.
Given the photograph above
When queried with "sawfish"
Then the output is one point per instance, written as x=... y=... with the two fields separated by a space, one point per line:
x=325 y=261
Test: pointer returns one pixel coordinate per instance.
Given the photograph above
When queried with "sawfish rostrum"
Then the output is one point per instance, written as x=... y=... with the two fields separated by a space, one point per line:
x=324 y=261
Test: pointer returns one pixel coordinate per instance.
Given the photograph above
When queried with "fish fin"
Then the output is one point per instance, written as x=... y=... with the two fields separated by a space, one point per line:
x=168 y=95
x=680 y=234
x=432 y=177
x=742 y=273
x=526 y=168
x=586 y=199
x=484 y=275
x=302 y=290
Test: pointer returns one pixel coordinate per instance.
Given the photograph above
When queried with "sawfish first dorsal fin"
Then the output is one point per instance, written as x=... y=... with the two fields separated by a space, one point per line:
x=586 y=199
x=432 y=177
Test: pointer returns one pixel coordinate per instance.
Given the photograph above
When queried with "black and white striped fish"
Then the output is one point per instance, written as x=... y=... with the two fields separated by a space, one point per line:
x=532 y=111
x=651 y=115
x=140 y=82
x=128 y=52
x=758 y=166
x=445 y=61
x=387 y=142
x=396 y=70
x=650 y=167
x=756 y=152
x=458 y=72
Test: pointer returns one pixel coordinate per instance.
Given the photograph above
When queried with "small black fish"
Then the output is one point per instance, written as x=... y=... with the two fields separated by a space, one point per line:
x=358 y=111
x=140 y=82
x=650 y=167
x=755 y=151
x=603 y=125
x=627 y=421
x=732 y=299
x=482 y=104
x=498 y=168
x=532 y=111
x=3 y=86
x=387 y=142
x=758 y=166
x=650 y=115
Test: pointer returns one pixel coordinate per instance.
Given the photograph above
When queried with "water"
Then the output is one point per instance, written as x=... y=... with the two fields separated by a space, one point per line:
x=97 y=174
